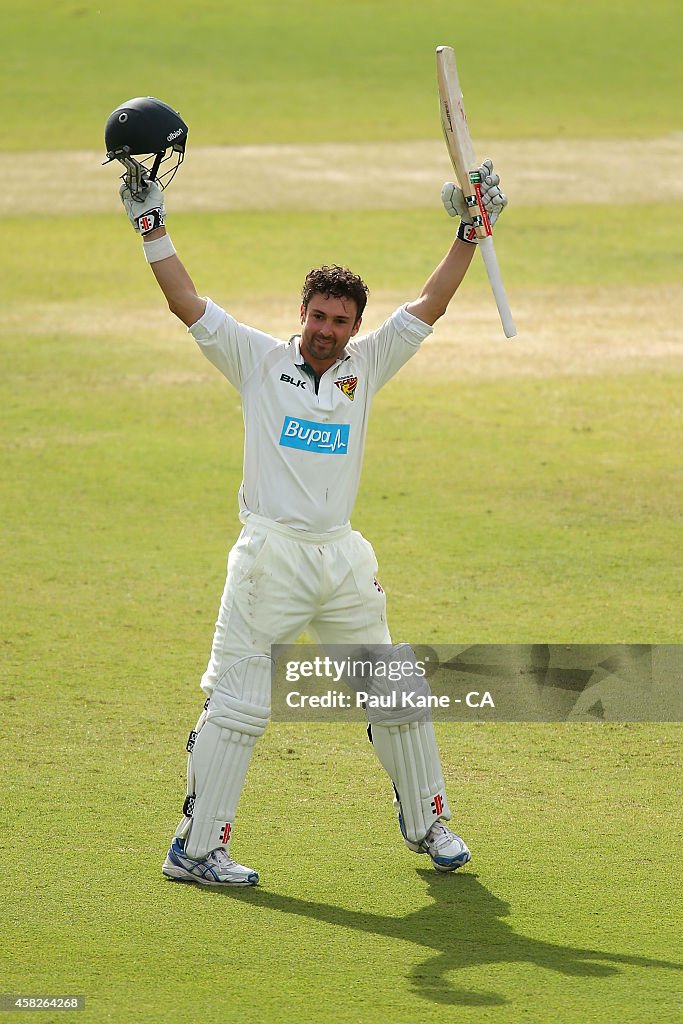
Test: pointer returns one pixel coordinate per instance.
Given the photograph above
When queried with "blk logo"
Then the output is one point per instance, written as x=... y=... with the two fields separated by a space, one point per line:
x=290 y=380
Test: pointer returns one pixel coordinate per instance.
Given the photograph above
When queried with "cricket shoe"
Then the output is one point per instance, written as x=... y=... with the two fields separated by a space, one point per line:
x=217 y=868
x=447 y=851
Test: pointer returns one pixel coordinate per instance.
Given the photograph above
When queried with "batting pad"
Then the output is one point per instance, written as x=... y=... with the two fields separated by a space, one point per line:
x=220 y=753
x=410 y=757
x=390 y=689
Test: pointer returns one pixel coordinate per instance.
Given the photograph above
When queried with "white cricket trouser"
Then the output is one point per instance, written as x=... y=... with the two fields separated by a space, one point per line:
x=282 y=581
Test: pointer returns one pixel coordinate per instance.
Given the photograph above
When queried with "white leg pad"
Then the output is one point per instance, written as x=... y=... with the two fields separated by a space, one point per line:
x=219 y=755
x=409 y=755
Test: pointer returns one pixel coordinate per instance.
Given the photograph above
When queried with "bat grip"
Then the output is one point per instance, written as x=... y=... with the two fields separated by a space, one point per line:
x=486 y=223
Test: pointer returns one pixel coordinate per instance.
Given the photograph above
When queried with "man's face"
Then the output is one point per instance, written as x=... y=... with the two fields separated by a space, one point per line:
x=326 y=326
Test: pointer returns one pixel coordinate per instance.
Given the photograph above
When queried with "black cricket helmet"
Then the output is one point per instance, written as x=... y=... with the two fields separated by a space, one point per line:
x=150 y=131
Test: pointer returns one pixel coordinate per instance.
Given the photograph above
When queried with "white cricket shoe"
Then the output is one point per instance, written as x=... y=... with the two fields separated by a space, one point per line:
x=217 y=868
x=448 y=851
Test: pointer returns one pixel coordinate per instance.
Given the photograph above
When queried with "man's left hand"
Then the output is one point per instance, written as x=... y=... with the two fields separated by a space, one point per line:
x=493 y=199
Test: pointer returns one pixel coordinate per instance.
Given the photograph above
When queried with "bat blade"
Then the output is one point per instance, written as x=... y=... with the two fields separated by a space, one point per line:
x=461 y=151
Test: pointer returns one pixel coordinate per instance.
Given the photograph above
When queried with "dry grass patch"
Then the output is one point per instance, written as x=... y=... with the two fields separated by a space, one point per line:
x=562 y=332
x=383 y=175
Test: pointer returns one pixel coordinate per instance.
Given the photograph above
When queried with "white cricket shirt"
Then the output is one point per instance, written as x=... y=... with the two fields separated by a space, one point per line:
x=303 y=452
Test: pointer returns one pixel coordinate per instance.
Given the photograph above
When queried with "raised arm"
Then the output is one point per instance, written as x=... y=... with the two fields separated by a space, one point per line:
x=443 y=283
x=147 y=217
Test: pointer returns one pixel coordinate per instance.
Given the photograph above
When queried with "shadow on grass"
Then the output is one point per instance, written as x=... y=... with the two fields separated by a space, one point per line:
x=466 y=927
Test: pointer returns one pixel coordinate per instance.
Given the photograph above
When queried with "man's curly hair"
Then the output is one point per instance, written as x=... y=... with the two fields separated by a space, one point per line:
x=337 y=282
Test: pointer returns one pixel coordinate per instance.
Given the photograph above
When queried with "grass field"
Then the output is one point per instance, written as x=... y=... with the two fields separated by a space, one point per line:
x=514 y=492
x=291 y=73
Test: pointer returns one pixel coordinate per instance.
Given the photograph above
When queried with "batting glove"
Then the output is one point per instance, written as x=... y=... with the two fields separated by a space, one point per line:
x=147 y=213
x=493 y=199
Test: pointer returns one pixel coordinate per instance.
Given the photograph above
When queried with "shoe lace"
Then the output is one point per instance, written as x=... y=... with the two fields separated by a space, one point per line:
x=438 y=834
x=222 y=859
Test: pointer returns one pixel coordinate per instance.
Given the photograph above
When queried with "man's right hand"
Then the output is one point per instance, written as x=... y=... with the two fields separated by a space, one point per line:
x=148 y=213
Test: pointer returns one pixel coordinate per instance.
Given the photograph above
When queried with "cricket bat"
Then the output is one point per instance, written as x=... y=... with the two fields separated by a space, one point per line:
x=466 y=167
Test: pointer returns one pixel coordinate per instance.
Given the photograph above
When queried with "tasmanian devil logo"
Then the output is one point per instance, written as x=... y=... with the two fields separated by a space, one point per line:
x=348 y=386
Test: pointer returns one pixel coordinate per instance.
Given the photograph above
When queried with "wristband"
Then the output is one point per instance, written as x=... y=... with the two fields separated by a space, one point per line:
x=158 y=249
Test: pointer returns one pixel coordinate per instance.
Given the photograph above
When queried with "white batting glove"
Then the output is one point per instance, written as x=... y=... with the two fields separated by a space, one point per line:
x=493 y=199
x=147 y=213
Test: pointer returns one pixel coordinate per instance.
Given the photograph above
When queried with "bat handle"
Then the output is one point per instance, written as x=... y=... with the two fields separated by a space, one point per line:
x=493 y=270
x=475 y=205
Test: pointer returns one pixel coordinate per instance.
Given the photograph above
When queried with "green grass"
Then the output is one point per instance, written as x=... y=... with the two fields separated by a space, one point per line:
x=552 y=508
x=503 y=510
x=360 y=926
x=339 y=71
x=589 y=466
x=534 y=508
x=540 y=508
x=99 y=259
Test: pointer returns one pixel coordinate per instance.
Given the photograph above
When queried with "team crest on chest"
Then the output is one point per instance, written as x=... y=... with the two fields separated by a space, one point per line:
x=348 y=386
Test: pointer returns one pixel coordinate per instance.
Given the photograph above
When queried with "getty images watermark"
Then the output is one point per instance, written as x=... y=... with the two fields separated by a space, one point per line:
x=391 y=683
x=481 y=682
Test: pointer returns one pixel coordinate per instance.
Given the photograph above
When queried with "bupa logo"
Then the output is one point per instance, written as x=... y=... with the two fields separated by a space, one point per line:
x=309 y=436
